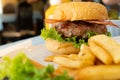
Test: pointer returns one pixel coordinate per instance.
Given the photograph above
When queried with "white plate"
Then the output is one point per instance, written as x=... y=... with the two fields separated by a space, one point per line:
x=36 y=53
x=39 y=52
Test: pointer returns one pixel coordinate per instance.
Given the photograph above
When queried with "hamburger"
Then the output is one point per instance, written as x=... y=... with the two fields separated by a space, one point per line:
x=73 y=24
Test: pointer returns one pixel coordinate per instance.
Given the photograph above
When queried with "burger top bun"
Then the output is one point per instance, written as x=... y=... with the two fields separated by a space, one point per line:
x=80 y=11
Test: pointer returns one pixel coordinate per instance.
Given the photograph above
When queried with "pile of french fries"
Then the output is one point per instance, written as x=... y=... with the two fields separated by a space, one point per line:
x=99 y=60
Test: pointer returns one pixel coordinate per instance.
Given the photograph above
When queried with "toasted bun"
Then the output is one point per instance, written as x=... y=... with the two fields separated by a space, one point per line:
x=61 y=47
x=80 y=11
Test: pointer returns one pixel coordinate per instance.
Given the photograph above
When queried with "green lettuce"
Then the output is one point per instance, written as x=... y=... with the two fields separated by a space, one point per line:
x=20 y=68
x=53 y=34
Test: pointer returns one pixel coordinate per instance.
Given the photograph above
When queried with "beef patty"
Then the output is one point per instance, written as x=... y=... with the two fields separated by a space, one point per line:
x=78 y=28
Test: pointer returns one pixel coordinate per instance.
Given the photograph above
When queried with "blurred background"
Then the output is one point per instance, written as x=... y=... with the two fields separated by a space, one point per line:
x=21 y=19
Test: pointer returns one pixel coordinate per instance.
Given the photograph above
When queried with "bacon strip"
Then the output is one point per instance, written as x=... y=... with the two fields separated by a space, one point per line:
x=92 y=21
x=104 y=23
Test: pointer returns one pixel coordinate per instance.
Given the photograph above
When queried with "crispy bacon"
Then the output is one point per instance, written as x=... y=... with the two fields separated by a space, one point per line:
x=103 y=22
x=90 y=21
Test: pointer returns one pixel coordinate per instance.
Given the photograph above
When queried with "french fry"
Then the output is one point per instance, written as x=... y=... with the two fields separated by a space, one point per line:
x=71 y=71
x=67 y=62
x=74 y=57
x=101 y=72
x=49 y=58
x=85 y=53
x=100 y=53
x=108 y=44
x=36 y=64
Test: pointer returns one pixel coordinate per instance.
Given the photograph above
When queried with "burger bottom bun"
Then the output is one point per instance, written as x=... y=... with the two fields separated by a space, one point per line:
x=61 y=47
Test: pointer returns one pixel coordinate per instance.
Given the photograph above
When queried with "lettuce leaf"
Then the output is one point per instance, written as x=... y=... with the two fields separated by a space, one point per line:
x=53 y=34
x=17 y=68
x=20 y=68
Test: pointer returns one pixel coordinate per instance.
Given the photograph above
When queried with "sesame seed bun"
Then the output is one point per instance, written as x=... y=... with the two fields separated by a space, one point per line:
x=80 y=11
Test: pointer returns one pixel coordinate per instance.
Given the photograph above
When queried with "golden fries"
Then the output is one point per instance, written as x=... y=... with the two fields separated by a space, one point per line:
x=85 y=58
x=100 y=72
x=49 y=58
x=109 y=45
x=100 y=53
x=67 y=62
x=99 y=60
x=74 y=57
x=86 y=53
